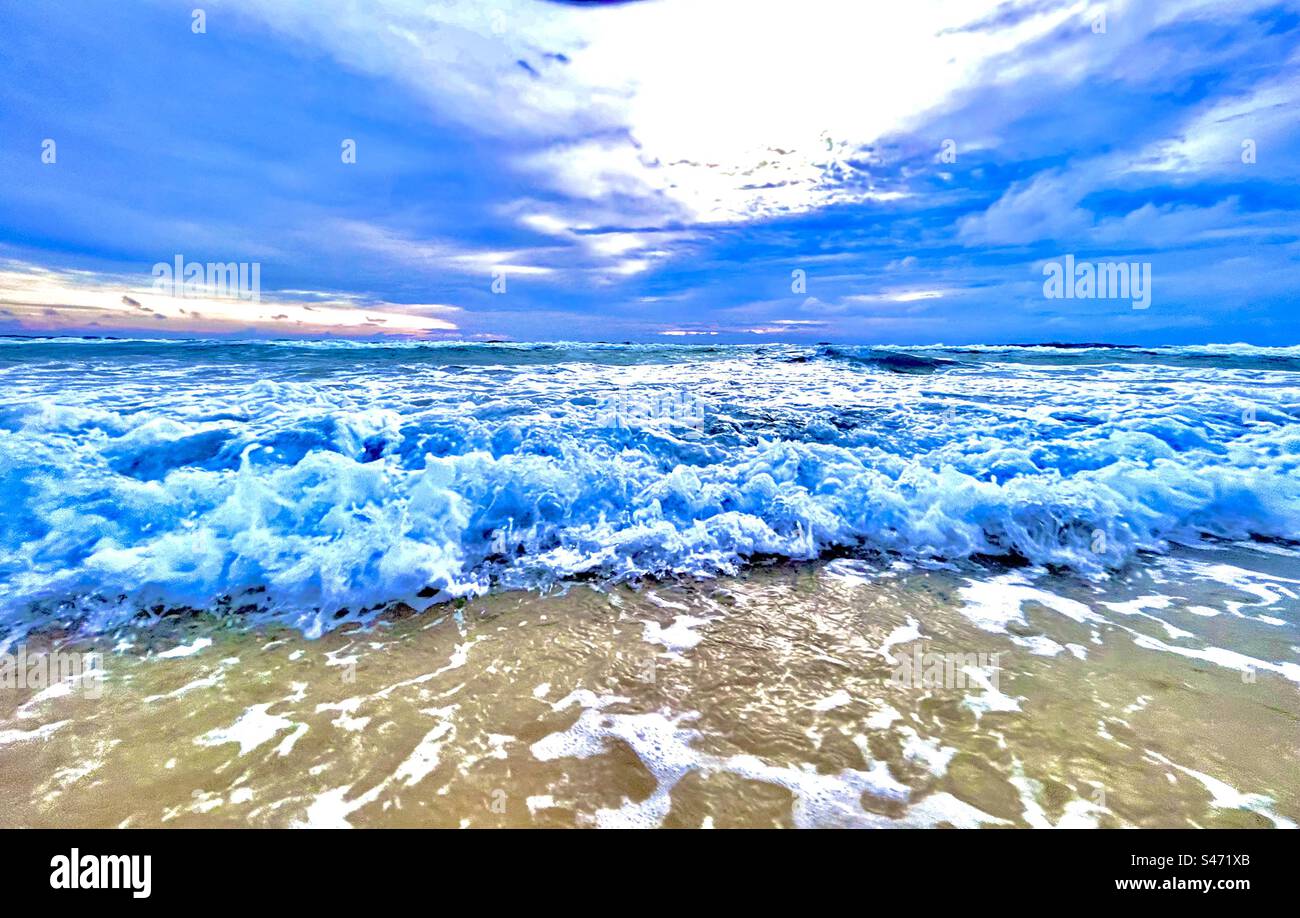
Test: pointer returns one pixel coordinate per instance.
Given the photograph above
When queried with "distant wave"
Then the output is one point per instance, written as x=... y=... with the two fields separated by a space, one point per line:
x=318 y=484
x=895 y=361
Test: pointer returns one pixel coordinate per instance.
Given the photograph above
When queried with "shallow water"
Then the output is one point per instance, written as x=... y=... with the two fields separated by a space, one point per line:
x=1160 y=698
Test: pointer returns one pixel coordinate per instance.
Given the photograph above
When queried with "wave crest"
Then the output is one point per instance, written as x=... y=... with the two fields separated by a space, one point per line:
x=321 y=500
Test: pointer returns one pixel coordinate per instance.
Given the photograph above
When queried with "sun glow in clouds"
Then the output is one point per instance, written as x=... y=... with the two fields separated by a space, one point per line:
x=697 y=112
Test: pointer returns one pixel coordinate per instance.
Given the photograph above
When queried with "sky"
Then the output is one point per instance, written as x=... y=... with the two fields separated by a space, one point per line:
x=681 y=171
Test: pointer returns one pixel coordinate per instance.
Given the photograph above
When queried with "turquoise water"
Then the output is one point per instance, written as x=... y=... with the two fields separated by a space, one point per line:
x=316 y=482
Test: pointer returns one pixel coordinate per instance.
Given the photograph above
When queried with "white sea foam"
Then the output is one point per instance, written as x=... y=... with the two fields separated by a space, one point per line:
x=319 y=483
x=1224 y=796
x=252 y=728
x=995 y=603
x=663 y=741
x=836 y=699
x=186 y=650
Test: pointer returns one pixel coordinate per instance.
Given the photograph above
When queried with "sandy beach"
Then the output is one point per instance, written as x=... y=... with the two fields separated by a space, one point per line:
x=780 y=697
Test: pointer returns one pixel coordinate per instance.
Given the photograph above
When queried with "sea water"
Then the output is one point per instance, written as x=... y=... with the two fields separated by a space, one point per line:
x=318 y=482
x=443 y=584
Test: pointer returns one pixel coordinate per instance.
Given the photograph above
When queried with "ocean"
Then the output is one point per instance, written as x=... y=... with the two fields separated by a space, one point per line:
x=615 y=584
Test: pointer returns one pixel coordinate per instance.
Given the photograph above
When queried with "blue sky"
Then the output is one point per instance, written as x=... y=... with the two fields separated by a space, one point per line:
x=653 y=171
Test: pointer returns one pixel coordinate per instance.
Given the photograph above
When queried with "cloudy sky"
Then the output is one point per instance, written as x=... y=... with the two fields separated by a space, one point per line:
x=666 y=170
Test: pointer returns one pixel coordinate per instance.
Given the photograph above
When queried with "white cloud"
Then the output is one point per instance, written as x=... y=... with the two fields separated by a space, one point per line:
x=1212 y=139
x=53 y=301
x=694 y=112
x=895 y=296
x=1046 y=207
x=439 y=254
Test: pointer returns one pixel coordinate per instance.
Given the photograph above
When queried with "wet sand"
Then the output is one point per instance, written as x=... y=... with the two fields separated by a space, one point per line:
x=778 y=697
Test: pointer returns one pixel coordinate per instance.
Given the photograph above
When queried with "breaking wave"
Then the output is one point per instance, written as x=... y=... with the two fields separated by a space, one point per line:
x=320 y=483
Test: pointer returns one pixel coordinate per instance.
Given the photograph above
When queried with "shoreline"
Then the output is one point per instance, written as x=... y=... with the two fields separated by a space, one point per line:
x=767 y=698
